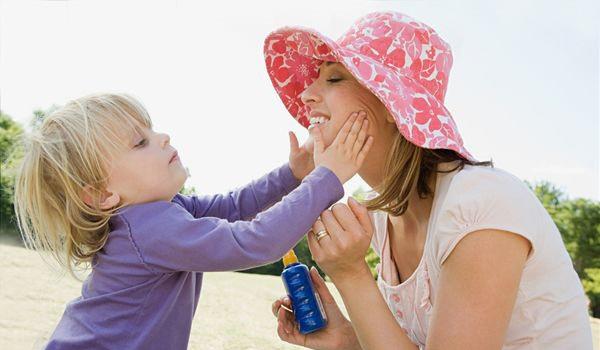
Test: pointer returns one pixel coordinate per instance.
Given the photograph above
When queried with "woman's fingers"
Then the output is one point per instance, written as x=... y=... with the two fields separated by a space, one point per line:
x=362 y=215
x=275 y=307
x=335 y=230
x=313 y=246
x=281 y=303
x=287 y=329
x=346 y=217
x=286 y=318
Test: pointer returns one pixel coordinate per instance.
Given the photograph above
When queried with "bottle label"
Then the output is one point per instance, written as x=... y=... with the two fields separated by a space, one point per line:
x=320 y=306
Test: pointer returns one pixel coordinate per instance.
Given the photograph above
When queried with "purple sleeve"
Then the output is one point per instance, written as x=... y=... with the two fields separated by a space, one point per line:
x=168 y=238
x=243 y=203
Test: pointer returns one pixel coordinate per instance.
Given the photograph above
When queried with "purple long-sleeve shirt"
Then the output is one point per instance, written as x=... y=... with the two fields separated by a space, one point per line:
x=145 y=283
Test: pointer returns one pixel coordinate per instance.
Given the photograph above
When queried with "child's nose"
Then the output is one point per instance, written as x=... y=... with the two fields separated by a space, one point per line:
x=166 y=139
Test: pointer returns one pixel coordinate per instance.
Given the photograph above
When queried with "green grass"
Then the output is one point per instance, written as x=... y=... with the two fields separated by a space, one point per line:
x=234 y=310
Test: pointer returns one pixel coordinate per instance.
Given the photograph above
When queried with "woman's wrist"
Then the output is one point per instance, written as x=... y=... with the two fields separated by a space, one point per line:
x=350 y=339
x=352 y=277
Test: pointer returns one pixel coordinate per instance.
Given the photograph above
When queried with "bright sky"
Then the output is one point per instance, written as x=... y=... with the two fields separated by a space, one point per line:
x=523 y=90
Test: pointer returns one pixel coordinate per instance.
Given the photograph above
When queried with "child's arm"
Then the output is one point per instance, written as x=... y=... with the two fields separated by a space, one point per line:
x=176 y=241
x=167 y=238
x=245 y=202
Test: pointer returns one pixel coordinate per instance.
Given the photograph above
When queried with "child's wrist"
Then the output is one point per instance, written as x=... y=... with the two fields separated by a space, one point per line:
x=300 y=174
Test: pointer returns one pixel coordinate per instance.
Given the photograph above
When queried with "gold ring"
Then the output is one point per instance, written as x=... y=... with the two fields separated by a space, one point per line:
x=321 y=234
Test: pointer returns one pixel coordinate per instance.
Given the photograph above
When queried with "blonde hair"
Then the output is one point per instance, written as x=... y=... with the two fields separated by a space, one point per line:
x=67 y=155
x=408 y=168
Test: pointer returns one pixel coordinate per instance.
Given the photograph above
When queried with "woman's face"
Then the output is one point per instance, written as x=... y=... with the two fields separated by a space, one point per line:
x=335 y=95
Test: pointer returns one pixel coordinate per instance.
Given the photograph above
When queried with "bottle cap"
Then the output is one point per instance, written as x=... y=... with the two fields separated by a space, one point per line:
x=289 y=258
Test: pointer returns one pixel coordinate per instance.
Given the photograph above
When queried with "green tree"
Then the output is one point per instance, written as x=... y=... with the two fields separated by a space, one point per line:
x=578 y=221
x=10 y=154
x=371 y=257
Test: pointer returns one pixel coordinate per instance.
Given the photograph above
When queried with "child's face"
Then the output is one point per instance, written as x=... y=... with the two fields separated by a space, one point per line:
x=147 y=170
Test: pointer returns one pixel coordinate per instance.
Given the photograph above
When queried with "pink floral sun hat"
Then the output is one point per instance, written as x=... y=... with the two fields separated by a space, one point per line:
x=400 y=60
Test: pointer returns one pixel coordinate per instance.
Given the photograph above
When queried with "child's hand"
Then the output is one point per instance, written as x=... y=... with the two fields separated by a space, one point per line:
x=301 y=158
x=348 y=150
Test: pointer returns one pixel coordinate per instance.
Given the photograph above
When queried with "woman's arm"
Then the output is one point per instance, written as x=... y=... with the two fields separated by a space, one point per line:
x=375 y=326
x=341 y=255
x=477 y=291
x=478 y=285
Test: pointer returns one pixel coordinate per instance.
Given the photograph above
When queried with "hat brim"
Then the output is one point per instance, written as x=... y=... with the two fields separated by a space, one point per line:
x=293 y=56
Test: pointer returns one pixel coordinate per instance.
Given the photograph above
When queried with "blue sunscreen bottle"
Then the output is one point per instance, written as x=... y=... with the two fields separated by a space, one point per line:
x=306 y=304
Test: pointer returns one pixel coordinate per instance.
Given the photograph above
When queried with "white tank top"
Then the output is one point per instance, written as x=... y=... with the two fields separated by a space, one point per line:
x=551 y=307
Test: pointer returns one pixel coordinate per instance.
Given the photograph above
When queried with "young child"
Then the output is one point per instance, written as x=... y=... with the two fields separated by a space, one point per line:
x=99 y=185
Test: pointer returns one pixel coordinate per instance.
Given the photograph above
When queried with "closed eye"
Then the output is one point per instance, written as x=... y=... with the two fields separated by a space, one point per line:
x=141 y=143
x=334 y=80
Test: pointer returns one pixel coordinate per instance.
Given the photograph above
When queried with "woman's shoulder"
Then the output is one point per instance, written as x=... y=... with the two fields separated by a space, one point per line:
x=485 y=198
x=477 y=183
x=475 y=176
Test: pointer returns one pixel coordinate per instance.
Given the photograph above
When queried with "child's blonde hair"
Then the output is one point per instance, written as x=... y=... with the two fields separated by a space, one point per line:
x=70 y=154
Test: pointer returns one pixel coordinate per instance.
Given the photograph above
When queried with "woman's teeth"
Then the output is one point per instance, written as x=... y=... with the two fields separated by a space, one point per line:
x=317 y=120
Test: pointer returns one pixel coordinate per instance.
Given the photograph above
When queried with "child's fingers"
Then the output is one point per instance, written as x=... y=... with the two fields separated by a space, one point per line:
x=364 y=151
x=354 y=129
x=360 y=139
x=294 y=144
x=345 y=130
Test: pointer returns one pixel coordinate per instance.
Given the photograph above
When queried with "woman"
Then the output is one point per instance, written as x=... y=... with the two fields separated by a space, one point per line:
x=469 y=257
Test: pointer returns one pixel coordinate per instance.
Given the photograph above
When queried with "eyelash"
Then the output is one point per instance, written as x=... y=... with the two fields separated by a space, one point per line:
x=334 y=80
x=141 y=143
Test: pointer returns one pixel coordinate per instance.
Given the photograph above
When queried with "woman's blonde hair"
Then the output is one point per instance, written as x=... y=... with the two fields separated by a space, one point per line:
x=67 y=155
x=408 y=168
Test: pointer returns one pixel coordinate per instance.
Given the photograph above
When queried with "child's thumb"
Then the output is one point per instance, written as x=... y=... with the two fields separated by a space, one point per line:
x=294 y=145
x=317 y=135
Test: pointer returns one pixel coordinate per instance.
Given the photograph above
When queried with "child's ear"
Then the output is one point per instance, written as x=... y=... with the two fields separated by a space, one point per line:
x=107 y=200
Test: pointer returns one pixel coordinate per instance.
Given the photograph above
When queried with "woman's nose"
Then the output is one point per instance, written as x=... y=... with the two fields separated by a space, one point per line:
x=310 y=95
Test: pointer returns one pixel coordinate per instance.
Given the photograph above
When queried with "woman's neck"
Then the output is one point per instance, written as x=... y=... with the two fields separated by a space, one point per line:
x=419 y=209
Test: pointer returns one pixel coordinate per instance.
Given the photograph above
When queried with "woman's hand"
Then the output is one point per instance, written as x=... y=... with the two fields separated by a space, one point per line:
x=346 y=233
x=301 y=157
x=338 y=334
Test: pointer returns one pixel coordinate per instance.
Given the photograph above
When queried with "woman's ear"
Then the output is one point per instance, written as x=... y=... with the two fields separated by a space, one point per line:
x=106 y=199
x=389 y=118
